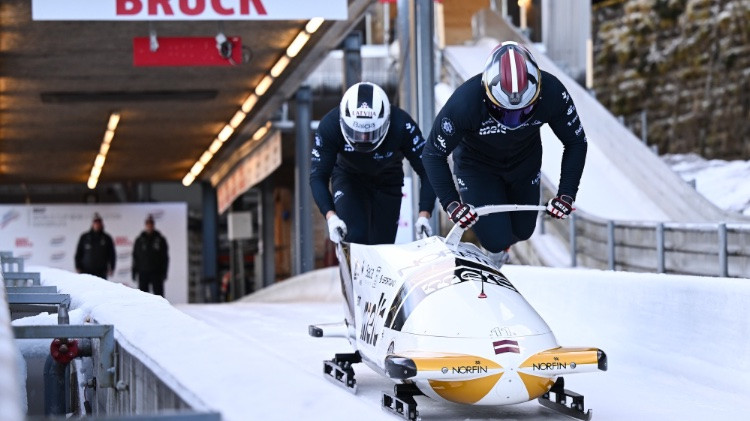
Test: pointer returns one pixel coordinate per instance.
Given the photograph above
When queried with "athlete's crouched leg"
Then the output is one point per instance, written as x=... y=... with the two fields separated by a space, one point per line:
x=523 y=227
x=494 y=232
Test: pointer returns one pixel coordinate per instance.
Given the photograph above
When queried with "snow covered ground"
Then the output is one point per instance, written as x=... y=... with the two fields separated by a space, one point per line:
x=676 y=346
x=725 y=183
x=672 y=343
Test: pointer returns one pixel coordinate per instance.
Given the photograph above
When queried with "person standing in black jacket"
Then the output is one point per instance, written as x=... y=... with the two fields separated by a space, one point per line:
x=95 y=253
x=492 y=125
x=150 y=259
x=359 y=148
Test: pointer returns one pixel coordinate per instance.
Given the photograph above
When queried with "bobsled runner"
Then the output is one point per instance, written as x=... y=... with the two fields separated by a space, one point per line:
x=438 y=318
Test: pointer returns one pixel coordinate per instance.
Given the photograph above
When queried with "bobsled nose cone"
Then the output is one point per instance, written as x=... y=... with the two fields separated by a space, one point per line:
x=601 y=360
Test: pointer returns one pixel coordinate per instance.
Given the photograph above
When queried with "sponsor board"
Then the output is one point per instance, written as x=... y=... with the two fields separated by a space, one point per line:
x=47 y=235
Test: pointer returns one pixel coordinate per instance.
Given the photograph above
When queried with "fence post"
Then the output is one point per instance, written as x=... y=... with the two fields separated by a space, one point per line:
x=644 y=127
x=542 y=229
x=540 y=216
x=611 y=244
x=660 y=247
x=572 y=226
x=723 y=259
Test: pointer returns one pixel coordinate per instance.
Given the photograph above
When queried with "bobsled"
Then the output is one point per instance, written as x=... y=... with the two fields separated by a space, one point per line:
x=439 y=318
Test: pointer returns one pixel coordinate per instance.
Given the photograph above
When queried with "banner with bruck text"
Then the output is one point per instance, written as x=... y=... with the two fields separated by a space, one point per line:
x=178 y=10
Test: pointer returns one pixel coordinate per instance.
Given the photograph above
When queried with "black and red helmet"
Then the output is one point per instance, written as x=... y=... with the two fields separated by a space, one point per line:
x=512 y=82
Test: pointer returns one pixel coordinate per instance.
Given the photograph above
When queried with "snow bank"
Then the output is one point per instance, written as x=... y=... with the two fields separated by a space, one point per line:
x=320 y=285
x=722 y=182
x=210 y=369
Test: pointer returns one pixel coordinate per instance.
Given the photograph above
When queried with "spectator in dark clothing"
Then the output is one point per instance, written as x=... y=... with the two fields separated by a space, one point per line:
x=150 y=259
x=95 y=253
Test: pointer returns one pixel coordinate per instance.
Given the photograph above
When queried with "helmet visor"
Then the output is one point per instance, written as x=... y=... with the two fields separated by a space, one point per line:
x=364 y=141
x=512 y=119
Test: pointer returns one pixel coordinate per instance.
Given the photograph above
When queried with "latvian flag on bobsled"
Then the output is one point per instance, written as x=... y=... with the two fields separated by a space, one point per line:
x=506 y=345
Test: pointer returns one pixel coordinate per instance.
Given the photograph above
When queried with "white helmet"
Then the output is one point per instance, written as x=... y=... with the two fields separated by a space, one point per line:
x=365 y=115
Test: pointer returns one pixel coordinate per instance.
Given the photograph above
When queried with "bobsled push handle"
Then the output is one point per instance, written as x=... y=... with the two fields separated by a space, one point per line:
x=455 y=234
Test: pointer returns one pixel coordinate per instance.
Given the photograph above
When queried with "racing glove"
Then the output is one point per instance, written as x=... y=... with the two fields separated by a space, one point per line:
x=336 y=229
x=423 y=228
x=560 y=207
x=462 y=214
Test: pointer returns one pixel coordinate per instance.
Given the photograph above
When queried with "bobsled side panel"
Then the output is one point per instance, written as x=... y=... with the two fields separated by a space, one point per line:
x=375 y=283
x=347 y=289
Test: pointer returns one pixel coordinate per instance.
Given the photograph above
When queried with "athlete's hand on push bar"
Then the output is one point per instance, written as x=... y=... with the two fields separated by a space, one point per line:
x=462 y=214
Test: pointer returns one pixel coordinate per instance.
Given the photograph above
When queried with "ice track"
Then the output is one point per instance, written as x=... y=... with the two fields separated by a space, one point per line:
x=677 y=346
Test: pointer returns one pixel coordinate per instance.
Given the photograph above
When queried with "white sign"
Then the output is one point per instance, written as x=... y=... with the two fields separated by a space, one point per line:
x=252 y=170
x=240 y=225
x=47 y=235
x=177 y=10
x=405 y=232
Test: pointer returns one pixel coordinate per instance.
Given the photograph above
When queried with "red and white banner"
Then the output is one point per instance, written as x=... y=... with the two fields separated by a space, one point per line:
x=178 y=10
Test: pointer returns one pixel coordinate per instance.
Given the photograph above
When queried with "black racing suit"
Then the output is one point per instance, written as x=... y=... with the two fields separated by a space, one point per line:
x=95 y=254
x=367 y=186
x=495 y=165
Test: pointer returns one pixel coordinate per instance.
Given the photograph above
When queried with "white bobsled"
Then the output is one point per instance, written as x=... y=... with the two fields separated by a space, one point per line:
x=439 y=318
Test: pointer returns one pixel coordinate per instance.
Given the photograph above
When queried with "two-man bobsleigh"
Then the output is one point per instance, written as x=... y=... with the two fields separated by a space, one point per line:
x=438 y=318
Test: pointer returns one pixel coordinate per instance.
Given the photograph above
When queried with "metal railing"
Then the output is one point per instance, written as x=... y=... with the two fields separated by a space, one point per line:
x=704 y=249
x=21 y=279
x=10 y=393
x=8 y=263
x=121 y=384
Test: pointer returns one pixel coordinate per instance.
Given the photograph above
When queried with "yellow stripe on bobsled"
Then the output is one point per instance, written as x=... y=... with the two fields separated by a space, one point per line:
x=566 y=360
x=535 y=385
x=466 y=391
x=457 y=378
x=438 y=366
x=539 y=371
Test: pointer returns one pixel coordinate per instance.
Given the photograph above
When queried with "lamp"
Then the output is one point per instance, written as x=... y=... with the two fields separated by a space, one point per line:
x=278 y=68
x=101 y=157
